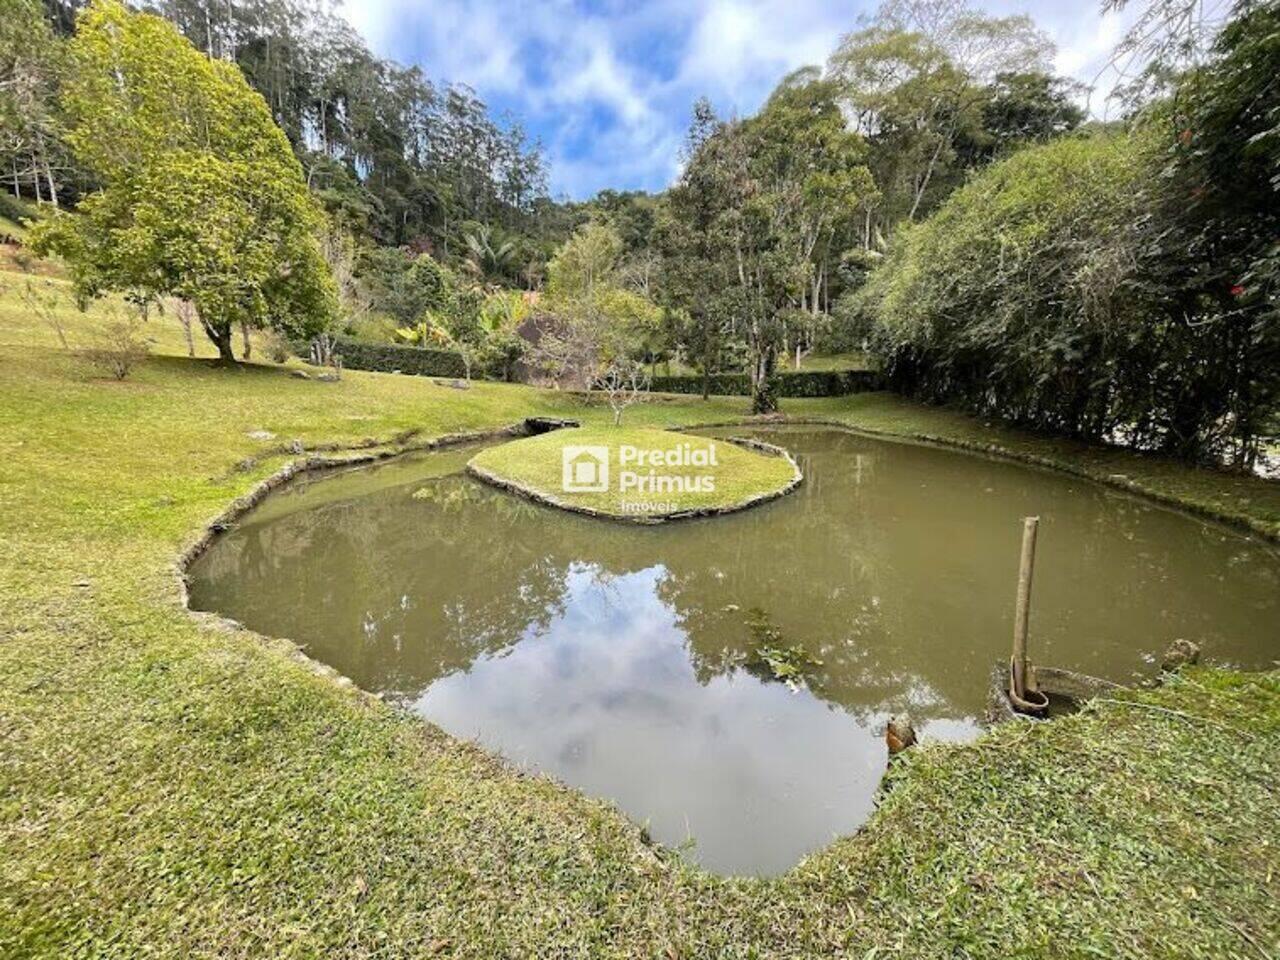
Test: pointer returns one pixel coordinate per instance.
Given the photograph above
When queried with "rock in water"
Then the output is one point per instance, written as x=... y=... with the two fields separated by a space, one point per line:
x=1181 y=653
x=900 y=734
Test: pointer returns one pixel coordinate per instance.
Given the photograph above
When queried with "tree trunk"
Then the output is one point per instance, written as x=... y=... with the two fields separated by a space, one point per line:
x=223 y=342
x=924 y=184
x=184 y=310
x=706 y=359
x=248 y=345
x=48 y=175
x=220 y=334
x=762 y=398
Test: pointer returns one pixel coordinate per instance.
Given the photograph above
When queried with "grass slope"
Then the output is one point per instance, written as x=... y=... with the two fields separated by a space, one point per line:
x=739 y=476
x=172 y=788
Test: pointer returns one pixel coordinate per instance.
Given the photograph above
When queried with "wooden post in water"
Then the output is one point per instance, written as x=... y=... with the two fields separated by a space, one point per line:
x=1022 y=612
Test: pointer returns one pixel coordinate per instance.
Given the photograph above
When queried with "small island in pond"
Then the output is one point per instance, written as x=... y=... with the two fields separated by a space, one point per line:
x=643 y=475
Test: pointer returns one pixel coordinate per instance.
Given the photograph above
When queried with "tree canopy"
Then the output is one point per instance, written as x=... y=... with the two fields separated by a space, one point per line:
x=201 y=196
x=1120 y=287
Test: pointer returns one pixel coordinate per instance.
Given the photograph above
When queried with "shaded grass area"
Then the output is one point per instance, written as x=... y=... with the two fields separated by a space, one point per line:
x=738 y=475
x=171 y=787
x=853 y=360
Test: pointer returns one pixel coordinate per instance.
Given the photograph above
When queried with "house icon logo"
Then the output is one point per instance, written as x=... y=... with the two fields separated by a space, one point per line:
x=585 y=469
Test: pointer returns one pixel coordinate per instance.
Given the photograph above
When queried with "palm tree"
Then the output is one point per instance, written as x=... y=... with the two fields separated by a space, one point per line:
x=488 y=254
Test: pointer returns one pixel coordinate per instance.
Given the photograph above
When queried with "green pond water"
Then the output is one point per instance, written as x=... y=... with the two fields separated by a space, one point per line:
x=622 y=659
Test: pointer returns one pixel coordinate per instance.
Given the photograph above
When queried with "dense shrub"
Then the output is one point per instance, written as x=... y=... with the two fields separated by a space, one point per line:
x=14 y=211
x=815 y=383
x=390 y=358
x=1038 y=292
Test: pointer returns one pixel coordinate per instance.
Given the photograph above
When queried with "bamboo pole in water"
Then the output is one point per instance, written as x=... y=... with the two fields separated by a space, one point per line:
x=1022 y=612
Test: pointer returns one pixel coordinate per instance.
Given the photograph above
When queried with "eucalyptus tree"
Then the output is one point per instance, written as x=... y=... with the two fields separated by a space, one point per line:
x=915 y=82
x=31 y=68
x=428 y=157
x=201 y=197
x=753 y=226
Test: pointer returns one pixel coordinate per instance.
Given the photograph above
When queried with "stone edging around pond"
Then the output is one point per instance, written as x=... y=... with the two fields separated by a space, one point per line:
x=652 y=519
x=997 y=451
x=367 y=454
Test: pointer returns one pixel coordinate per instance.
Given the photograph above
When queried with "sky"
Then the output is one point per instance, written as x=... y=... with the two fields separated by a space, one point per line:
x=607 y=85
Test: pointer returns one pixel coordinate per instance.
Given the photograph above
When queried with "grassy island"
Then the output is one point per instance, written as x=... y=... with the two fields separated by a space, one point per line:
x=638 y=473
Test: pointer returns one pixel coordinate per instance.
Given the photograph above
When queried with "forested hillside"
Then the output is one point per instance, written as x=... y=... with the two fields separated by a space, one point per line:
x=933 y=201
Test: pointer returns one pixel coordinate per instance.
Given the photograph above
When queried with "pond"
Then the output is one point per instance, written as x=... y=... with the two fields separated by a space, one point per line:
x=621 y=659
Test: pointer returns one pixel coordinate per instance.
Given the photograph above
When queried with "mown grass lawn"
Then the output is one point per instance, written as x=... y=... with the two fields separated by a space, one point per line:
x=169 y=787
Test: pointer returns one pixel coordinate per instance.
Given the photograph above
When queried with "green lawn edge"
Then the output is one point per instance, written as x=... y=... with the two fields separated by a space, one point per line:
x=174 y=786
x=747 y=474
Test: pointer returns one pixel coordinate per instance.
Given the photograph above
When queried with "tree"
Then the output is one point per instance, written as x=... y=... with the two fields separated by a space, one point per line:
x=1027 y=108
x=693 y=267
x=595 y=325
x=915 y=82
x=31 y=69
x=753 y=224
x=1164 y=40
x=488 y=254
x=459 y=328
x=201 y=196
x=403 y=160
x=624 y=381
x=1216 y=230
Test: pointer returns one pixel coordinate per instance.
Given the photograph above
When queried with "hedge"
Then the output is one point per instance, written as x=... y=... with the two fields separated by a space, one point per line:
x=394 y=358
x=426 y=362
x=804 y=383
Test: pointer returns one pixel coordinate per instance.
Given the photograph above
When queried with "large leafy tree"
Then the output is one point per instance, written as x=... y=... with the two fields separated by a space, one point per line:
x=423 y=161
x=1019 y=108
x=201 y=196
x=754 y=221
x=1218 y=236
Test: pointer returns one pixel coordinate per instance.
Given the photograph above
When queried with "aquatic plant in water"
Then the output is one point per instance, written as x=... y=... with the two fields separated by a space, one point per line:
x=774 y=659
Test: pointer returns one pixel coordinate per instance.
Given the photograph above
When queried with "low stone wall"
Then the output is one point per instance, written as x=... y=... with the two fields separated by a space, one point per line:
x=358 y=455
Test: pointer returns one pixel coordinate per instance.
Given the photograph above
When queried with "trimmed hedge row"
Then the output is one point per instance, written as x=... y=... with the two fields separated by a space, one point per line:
x=427 y=362
x=395 y=358
x=803 y=383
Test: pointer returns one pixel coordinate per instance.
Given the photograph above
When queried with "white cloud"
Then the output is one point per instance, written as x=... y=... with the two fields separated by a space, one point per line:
x=741 y=48
x=608 y=85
